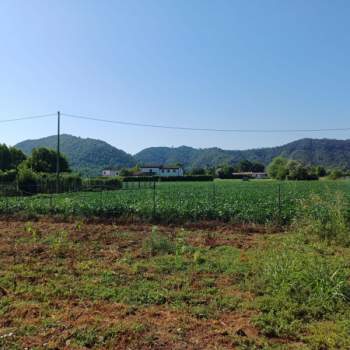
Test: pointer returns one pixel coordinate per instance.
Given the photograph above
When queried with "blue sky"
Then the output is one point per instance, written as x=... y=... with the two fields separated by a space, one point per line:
x=196 y=63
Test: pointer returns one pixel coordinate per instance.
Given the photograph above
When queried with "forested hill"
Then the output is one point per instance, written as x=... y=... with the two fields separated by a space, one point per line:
x=327 y=152
x=88 y=156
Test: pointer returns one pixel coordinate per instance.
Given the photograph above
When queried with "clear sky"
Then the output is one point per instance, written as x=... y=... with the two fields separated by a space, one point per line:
x=196 y=63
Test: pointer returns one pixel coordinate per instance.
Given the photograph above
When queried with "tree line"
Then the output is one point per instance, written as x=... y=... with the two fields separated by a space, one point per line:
x=288 y=169
x=41 y=165
x=280 y=168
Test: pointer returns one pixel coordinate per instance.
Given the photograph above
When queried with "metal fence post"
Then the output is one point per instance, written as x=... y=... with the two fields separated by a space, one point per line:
x=214 y=195
x=279 y=204
x=154 y=198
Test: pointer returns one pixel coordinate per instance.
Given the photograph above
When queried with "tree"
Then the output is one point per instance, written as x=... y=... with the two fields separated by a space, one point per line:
x=225 y=171
x=277 y=169
x=17 y=157
x=198 y=171
x=297 y=171
x=336 y=174
x=244 y=166
x=258 y=167
x=247 y=166
x=44 y=160
x=10 y=157
x=27 y=181
x=5 y=157
x=320 y=171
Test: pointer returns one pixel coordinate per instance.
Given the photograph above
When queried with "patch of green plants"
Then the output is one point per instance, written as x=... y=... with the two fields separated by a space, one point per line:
x=325 y=218
x=330 y=335
x=261 y=202
x=296 y=286
x=158 y=243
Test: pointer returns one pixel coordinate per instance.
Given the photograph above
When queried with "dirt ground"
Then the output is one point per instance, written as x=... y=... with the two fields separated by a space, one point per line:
x=51 y=295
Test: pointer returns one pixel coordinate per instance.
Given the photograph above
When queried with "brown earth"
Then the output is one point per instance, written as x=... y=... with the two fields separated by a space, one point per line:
x=147 y=327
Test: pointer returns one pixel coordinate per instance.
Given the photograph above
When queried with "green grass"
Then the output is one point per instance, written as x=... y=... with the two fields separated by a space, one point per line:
x=225 y=200
x=95 y=286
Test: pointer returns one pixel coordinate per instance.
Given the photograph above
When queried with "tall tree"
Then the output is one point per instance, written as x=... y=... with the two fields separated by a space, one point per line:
x=244 y=165
x=5 y=157
x=17 y=157
x=44 y=160
x=277 y=169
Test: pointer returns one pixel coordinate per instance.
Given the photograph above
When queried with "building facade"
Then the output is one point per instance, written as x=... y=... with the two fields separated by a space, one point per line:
x=110 y=172
x=162 y=170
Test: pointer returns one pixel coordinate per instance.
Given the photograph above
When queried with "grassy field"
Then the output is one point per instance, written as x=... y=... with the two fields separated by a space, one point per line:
x=231 y=200
x=94 y=286
x=221 y=276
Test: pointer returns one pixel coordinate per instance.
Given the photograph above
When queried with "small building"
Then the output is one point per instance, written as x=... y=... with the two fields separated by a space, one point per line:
x=250 y=175
x=110 y=172
x=161 y=170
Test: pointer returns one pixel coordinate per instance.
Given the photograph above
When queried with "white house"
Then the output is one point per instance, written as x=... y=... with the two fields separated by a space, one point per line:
x=162 y=170
x=110 y=172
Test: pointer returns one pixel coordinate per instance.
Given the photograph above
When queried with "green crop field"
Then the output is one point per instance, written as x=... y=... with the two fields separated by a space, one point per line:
x=226 y=200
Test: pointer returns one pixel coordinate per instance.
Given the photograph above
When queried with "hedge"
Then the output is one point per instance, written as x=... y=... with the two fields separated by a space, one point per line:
x=140 y=178
x=187 y=178
x=167 y=178
x=8 y=176
x=104 y=183
x=32 y=183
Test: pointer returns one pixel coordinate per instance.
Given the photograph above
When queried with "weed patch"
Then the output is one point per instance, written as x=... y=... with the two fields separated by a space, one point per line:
x=295 y=287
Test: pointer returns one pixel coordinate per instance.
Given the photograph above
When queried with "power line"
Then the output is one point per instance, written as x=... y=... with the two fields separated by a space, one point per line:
x=172 y=127
x=27 y=118
x=200 y=129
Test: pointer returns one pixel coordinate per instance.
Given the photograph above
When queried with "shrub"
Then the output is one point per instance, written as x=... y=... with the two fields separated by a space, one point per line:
x=27 y=181
x=8 y=176
x=336 y=174
x=47 y=183
x=297 y=286
x=187 y=178
x=102 y=183
x=140 y=178
x=324 y=217
x=158 y=244
x=168 y=178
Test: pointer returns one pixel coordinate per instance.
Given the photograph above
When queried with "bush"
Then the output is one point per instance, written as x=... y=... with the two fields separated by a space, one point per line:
x=297 y=286
x=187 y=178
x=27 y=181
x=168 y=178
x=336 y=174
x=324 y=217
x=283 y=169
x=140 y=178
x=102 y=183
x=47 y=183
x=158 y=244
x=8 y=176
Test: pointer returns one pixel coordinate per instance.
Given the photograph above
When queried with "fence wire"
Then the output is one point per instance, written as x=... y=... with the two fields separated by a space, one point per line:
x=229 y=201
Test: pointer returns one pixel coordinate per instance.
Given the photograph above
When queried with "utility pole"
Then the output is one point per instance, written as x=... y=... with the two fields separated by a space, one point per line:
x=58 y=153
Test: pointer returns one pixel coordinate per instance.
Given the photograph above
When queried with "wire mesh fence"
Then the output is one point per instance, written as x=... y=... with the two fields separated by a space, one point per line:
x=236 y=201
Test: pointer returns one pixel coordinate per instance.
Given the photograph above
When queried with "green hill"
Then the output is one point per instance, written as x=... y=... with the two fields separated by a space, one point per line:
x=89 y=156
x=327 y=152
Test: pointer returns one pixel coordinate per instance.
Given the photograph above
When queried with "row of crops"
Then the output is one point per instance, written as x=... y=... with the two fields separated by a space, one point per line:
x=227 y=200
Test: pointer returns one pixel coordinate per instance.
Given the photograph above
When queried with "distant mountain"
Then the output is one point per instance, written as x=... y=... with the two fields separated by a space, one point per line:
x=89 y=156
x=327 y=152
